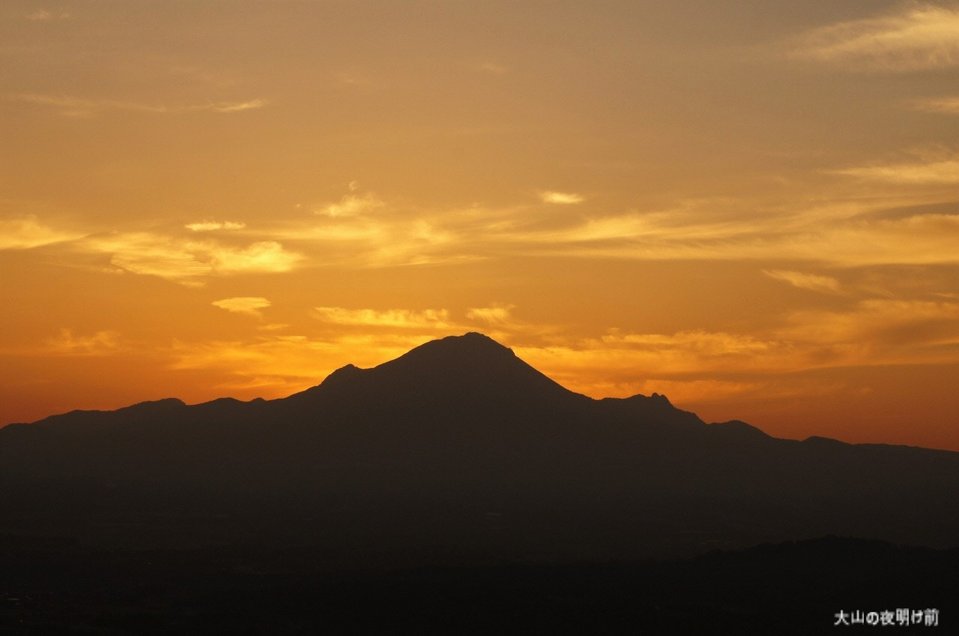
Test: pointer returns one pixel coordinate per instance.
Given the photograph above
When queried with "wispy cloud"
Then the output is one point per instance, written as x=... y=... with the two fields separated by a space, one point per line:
x=704 y=343
x=402 y=318
x=66 y=343
x=273 y=326
x=812 y=282
x=262 y=256
x=28 y=232
x=560 y=198
x=46 y=15
x=210 y=226
x=495 y=315
x=348 y=232
x=187 y=261
x=71 y=106
x=843 y=235
x=872 y=332
x=621 y=364
x=878 y=332
x=351 y=205
x=846 y=232
x=249 y=305
x=917 y=37
x=944 y=105
x=931 y=171
x=232 y=107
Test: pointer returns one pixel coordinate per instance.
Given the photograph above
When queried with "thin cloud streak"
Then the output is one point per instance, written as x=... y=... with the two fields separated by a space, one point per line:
x=841 y=234
x=496 y=315
x=210 y=226
x=929 y=172
x=71 y=106
x=189 y=261
x=248 y=305
x=351 y=205
x=397 y=318
x=872 y=332
x=561 y=198
x=811 y=282
x=45 y=15
x=943 y=105
x=931 y=238
x=28 y=232
x=847 y=234
x=66 y=343
x=232 y=107
x=918 y=37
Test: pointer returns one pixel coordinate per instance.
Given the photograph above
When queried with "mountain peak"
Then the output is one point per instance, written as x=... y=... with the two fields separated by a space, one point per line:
x=472 y=350
x=474 y=336
x=473 y=339
x=470 y=361
x=470 y=343
x=472 y=366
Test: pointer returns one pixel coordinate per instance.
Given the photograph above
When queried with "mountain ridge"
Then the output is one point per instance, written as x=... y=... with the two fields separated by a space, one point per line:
x=439 y=353
x=422 y=449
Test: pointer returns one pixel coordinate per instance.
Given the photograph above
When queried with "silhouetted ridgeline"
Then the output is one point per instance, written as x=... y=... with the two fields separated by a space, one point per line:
x=457 y=451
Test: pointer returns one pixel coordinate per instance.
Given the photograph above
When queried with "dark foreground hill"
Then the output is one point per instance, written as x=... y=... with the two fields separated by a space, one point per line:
x=457 y=452
x=784 y=589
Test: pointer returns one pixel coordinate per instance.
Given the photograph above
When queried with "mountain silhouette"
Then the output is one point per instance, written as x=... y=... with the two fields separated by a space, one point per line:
x=459 y=447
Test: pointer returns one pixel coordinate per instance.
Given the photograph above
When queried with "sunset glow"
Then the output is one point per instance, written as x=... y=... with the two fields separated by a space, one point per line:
x=749 y=209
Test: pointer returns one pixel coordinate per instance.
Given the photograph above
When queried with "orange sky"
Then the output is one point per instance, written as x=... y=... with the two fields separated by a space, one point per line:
x=749 y=206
